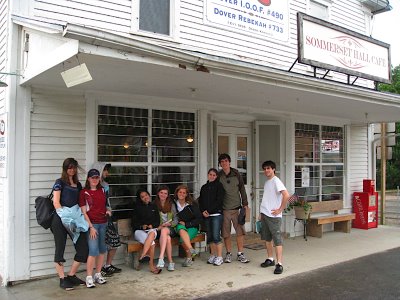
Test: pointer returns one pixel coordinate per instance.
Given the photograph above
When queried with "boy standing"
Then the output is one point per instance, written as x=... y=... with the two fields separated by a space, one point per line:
x=273 y=203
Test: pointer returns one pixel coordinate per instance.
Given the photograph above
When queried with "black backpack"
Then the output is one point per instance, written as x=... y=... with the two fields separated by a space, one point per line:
x=45 y=210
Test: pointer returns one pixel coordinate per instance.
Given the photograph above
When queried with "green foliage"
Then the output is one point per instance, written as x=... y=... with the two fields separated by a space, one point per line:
x=393 y=165
x=394 y=87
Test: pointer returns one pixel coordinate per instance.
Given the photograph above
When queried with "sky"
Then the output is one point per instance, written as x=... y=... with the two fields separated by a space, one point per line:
x=384 y=28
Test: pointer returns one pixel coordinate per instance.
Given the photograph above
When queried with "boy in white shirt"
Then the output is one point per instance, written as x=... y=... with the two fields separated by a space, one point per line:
x=273 y=203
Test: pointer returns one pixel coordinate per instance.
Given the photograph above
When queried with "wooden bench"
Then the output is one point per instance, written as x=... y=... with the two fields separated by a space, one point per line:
x=342 y=222
x=133 y=247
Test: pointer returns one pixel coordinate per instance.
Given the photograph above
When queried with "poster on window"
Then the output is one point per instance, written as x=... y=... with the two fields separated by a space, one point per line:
x=3 y=145
x=305 y=177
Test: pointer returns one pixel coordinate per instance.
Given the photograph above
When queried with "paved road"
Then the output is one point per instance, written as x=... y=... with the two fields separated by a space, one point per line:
x=371 y=277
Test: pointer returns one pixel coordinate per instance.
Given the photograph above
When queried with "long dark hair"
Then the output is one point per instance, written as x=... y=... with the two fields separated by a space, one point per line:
x=168 y=203
x=138 y=200
x=70 y=162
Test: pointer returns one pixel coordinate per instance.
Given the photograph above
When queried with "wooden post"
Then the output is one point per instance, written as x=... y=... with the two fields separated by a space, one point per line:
x=383 y=174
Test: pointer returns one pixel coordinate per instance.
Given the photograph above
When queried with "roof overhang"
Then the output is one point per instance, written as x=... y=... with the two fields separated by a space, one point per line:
x=131 y=65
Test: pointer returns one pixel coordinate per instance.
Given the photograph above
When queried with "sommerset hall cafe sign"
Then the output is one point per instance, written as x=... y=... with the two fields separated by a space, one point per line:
x=328 y=46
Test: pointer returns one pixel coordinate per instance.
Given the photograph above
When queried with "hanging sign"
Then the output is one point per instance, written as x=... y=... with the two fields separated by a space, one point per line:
x=3 y=144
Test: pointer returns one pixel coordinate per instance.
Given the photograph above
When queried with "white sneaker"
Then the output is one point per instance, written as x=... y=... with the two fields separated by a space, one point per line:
x=211 y=259
x=161 y=263
x=218 y=261
x=89 y=282
x=171 y=266
x=99 y=279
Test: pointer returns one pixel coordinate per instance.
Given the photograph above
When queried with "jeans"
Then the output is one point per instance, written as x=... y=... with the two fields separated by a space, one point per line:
x=214 y=225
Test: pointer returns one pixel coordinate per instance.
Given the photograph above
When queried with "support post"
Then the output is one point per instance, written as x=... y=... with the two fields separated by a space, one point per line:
x=383 y=174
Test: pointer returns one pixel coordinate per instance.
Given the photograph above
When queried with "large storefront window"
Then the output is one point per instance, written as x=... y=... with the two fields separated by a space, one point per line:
x=147 y=148
x=319 y=162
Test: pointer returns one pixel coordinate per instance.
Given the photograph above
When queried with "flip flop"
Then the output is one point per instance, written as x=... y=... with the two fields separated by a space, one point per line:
x=156 y=271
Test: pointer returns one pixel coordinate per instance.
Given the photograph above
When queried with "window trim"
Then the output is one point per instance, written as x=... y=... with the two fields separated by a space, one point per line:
x=174 y=22
x=327 y=3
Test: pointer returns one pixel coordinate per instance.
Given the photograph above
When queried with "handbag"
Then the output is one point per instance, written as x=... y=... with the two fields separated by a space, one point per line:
x=112 y=236
x=45 y=210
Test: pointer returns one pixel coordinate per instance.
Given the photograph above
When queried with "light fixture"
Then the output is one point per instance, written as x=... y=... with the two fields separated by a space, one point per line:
x=189 y=138
x=76 y=75
x=2 y=83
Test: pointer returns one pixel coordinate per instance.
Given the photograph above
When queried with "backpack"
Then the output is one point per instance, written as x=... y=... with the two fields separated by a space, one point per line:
x=44 y=210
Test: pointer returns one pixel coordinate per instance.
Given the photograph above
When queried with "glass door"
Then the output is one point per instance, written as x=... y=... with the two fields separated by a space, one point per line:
x=234 y=139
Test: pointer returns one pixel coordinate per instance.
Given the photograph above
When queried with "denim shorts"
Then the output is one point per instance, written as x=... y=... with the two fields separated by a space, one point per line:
x=214 y=225
x=98 y=245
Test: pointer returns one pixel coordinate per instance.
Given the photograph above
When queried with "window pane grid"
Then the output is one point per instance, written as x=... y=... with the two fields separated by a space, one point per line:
x=319 y=159
x=147 y=148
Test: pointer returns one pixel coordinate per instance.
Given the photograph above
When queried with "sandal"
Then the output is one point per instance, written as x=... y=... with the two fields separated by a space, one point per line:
x=156 y=271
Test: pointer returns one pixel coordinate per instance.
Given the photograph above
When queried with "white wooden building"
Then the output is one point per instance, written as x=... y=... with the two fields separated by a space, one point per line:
x=174 y=83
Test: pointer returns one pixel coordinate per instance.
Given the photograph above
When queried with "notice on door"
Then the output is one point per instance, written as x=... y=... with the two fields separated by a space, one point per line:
x=305 y=177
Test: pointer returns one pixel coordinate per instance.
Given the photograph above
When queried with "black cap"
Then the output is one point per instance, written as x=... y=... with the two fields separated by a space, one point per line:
x=93 y=172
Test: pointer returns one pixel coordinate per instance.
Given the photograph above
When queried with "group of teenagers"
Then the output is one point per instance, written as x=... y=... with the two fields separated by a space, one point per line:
x=222 y=203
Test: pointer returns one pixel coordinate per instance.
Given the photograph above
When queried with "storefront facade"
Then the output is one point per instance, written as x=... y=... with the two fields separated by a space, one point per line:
x=161 y=107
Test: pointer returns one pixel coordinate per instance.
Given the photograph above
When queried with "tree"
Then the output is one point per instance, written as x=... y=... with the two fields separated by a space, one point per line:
x=392 y=165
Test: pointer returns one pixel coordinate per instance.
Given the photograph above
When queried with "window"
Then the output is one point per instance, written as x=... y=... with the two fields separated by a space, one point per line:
x=319 y=9
x=319 y=162
x=154 y=16
x=147 y=148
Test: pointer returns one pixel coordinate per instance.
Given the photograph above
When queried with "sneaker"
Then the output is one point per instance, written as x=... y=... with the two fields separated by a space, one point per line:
x=75 y=280
x=267 y=263
x=218 y=261
x=242 y=258
x=99 y=279
x=171 y=266
x=89 y=282
x=188 y=262
x=114 y=269
x=228 y=257
x=106 y=271
x=66 y=284
x=194 y=252
x=278 y=269
x=211 y=259
x=161 y=263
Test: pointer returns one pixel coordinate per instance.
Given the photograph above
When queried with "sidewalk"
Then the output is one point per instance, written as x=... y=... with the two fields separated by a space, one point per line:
x=204 y=280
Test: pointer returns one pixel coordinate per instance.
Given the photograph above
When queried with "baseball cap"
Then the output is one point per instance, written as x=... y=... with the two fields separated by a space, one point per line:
x=93 y=172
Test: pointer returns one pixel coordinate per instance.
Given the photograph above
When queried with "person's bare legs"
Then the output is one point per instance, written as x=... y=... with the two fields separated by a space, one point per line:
x=185 y=241
x=169 y=249
x=99 y=262
x=163 y=241
x=213 y=249
x=228 y=244
x=148 y=243
x=91 y=261
x=240 y=243
x=219 y=249
x=270 y=249
x=110 y=256
x=279 y=252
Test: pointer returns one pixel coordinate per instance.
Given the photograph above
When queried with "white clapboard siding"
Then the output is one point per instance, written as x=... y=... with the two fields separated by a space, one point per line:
x=195 y=35
x=3 y=60
x=358 y=158
x=111 y=14
x=58 y=131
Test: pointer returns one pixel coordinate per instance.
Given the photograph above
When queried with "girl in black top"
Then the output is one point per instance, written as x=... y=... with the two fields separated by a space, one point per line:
x=145 y=221
x=66 y=193
x=210 y=202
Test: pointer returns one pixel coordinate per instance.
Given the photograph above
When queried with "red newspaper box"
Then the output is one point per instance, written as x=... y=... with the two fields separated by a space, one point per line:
x=365 y=206
x=369 y=186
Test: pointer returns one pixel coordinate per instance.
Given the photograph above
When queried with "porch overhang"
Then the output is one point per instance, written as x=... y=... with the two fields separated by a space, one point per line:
x=131 y=65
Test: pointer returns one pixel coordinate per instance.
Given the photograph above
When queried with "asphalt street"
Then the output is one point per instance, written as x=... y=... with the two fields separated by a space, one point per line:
x=375 y=276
